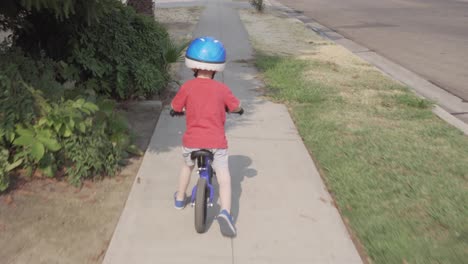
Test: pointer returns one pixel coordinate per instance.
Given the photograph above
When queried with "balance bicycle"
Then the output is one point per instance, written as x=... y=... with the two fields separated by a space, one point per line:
x=203 y=192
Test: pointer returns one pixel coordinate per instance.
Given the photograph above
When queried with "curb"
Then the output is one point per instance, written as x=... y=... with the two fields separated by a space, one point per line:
x=449 y=118
x=447 y=104
x=146 y=106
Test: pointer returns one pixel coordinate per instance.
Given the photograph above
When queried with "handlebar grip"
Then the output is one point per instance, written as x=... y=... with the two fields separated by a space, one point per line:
x=175 y=113
x=240 y=112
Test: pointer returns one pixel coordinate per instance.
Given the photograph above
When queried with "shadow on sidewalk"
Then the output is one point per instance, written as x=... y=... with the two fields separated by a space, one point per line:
x=240 y=167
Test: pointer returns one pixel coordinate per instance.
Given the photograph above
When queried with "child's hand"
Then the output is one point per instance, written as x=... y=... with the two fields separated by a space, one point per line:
x=239 y=110
x=174 y=113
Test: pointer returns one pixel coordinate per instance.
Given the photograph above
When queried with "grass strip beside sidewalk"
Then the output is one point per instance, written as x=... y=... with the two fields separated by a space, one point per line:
x=397 y=172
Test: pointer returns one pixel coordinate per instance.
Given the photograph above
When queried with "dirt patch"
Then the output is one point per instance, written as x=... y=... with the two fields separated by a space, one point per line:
x=179 y=21
x=278 y=35
x=274 y=33
x=333 y=65
x=48 y=221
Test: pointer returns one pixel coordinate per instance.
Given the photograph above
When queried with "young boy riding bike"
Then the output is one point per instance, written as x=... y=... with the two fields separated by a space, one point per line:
x=205 y=102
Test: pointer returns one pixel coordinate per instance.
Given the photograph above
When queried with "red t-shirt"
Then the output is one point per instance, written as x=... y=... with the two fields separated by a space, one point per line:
x=204 y=101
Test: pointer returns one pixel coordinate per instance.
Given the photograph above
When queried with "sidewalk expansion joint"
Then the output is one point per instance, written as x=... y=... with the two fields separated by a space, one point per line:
x=232 y=251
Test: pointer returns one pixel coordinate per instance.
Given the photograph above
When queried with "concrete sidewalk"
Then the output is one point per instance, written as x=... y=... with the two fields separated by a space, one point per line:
x=283 y=211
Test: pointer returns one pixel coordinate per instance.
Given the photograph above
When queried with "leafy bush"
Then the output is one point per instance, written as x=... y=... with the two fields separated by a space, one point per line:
x=47 y=26
x=52 y=118
x=15 y=105
x=123 y=55
x=107 y=47
x=4 y=179
x=5 y=168
x=16 y=101
x=145 y=7
x=43 y=72
x=84 y=137
x=258 y=4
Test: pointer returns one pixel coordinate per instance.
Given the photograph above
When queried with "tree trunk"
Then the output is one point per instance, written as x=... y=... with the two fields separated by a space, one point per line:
x=142 y=6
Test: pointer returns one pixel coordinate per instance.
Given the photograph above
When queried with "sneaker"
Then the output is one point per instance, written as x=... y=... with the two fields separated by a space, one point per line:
x=179 y=205
x=226 y=224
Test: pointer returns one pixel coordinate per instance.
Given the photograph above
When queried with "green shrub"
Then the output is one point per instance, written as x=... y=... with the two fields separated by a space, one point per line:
x=4 y=179
x=145 y=7
x=17 y=103
x=83 y=137
x=52 y=117
x=47 y=26
x=123 y=55
x=43 y=72
x=258 y=4
x=107 y=47
x=90 y=155
x=5 y=168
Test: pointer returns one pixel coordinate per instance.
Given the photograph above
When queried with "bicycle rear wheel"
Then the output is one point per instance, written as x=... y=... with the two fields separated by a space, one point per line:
x=201 y=206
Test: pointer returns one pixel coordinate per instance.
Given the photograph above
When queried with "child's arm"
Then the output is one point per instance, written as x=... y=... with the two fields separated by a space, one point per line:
x=178 y=103
x=233 y=105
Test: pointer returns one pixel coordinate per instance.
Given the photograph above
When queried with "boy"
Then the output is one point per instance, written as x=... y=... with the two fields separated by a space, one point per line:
x=205 y=101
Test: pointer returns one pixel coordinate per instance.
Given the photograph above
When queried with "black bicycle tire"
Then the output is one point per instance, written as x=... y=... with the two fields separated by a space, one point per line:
x=201 y=206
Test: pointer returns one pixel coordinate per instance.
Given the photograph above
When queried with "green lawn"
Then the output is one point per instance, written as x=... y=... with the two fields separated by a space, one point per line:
x=397 y=172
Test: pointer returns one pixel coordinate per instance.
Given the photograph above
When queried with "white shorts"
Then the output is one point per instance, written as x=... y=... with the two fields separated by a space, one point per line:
x=220 y=157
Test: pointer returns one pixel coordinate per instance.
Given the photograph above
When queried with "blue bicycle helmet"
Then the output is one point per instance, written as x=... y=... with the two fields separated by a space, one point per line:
x=206 y=53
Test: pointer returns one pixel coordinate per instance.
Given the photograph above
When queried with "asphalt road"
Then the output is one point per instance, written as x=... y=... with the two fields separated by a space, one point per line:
x=429 y=37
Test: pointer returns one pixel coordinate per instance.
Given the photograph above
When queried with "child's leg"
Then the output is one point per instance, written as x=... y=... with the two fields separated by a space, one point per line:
x=223 y=176
x=221 y=166
x=185 y=173
x=184 y=180
x=224 y=181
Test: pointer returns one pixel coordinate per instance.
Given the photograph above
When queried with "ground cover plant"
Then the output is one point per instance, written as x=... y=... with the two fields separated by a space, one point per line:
x=42 y=132
x=399 y=174
x=258 y=5
x=63 y=71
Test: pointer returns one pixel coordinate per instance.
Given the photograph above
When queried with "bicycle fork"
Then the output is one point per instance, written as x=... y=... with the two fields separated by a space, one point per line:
x=205 y=174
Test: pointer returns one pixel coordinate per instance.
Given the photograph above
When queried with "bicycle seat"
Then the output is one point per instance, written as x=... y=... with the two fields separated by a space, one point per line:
x=201 y=153
x=200 y=156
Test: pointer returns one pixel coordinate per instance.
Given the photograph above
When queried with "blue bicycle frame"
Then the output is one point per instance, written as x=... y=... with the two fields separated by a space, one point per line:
x=204 y=171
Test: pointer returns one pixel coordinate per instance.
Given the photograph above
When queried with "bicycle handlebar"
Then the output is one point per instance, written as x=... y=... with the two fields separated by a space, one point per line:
x=241 y=111
x=175 y=113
